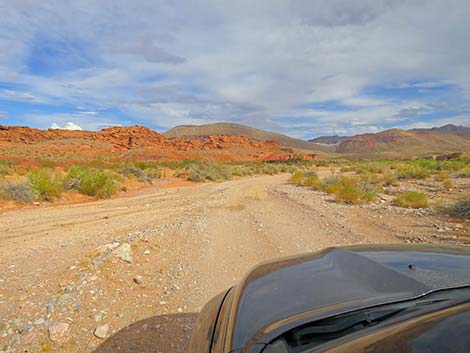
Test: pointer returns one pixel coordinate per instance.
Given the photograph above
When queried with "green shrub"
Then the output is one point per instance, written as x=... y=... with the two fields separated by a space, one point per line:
x=207 y=170
x=297 y=178
x=412 y=199
x=17 y=191
x=447 y=183
x=412 y=172
x=464 y=173
x=45 y=183
x=348 y=194
x=389 y=179
x=441 y=176
x=129 y=170
x=350 y=190
x=152 y=173
x=99 y=183
x=73 y=178
x=5 y=168
x=369 y=196
x=269 y=169
x=143 y=175
x=331 y=184
x=371 y=181
x=91 y=181
x=313 y=181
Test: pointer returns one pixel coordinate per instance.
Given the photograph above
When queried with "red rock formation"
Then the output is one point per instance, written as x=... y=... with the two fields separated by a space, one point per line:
x=140 y=142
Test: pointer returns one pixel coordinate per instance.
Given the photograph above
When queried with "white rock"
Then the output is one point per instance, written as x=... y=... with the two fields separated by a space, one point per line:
x=102 y=331
x=124 y=252
x=139 y=279
x=58 y=332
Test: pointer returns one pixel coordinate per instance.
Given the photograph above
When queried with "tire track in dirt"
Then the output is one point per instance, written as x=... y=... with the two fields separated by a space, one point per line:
x=188 y=244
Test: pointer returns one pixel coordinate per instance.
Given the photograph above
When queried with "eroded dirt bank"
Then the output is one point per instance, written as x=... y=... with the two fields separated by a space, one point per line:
x=67 y=274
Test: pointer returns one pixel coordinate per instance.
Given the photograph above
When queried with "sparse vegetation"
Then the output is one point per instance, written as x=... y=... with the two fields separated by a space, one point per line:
x=208 y=171
x=45 y=183
x=412 y=199
x=91 y=181
x=297 y=178
x=412 y=172
x=17 y=191
x=460 y=208
x=351 y=182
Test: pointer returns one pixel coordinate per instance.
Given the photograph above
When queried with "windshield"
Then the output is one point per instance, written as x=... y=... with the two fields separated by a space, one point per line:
x=314 y=334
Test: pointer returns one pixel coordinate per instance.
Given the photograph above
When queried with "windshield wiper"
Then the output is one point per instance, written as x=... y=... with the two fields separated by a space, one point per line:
x=321 y=331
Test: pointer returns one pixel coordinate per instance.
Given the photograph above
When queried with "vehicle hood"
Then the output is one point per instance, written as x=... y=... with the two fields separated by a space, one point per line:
x=291 y=291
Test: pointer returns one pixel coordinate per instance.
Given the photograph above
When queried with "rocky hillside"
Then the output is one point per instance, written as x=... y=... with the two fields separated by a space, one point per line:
x=329 y=140
x=403 y=143
x=133 y=142
x=230 y=129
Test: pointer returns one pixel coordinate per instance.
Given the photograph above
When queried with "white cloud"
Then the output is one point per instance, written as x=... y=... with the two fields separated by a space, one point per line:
x=74 y=121
x=69 y=126
x=167 y=63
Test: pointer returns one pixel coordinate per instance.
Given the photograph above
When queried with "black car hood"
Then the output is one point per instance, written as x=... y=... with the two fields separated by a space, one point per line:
x=286 y=292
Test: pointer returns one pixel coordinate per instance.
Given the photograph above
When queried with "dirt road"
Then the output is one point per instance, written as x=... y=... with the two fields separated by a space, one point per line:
x=65 y=272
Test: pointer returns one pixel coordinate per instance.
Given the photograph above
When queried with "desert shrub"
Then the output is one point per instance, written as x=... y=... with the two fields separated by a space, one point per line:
x=98 y=183
x=331 y=184
x=350 y=190
x=371 y=167
x=348 y=194
x=207 y=170
x=73 y=178
x=5 y=168
x=45 y=183
x=371 y=181
x=464 y=173
x=17 y=191
x=91 y=181
x=143 y=175
x=460 y=208
x=270 y=169
x=447 y=184
x=369 y=196
x=130 y=170
x=297 y=178
x=152 y=173
x=412 y=199
x=313 y=181
x=291 y=169
x=412 y=172
x=389 y=179
x=441 y=176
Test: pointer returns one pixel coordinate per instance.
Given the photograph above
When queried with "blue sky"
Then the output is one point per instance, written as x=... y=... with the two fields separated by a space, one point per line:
x=305 y=68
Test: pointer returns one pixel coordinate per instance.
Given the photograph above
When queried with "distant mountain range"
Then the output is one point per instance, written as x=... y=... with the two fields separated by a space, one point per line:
x=398 y=142
x=391 y=143
x=224 y=141
x=230 y=129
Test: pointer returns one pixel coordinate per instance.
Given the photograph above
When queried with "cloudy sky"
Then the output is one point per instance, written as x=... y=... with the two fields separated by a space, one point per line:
x=303 y=67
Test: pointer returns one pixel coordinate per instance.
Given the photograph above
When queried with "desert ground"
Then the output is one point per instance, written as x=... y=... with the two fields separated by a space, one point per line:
x=136 y=270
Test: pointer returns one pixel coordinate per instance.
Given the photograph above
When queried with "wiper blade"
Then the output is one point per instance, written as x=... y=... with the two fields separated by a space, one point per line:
x=336 y=324
x=321 y=331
